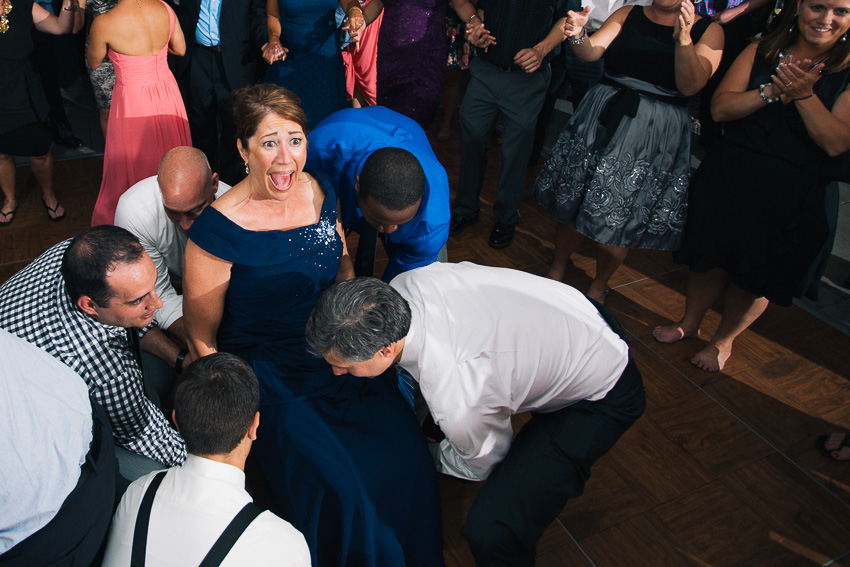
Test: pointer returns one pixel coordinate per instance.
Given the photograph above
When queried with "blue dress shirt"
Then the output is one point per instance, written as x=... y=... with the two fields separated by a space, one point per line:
x=207 y=31
x=339 y=146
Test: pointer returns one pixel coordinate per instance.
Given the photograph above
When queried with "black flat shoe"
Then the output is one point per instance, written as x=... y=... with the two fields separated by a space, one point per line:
x=460 y=222
x=501 y=236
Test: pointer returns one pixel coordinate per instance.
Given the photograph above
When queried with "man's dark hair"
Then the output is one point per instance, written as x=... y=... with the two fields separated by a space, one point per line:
x=215 y=403
x=393 y=178
x=356 y=318
x=91 y=255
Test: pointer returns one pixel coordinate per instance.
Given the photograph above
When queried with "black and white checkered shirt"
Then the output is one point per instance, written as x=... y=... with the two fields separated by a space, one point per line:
x=35 y=306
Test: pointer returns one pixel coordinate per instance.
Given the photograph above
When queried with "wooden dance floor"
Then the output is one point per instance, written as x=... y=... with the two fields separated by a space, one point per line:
x=721 y=470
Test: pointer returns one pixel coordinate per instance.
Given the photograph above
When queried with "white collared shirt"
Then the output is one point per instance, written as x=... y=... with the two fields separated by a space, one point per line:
x=600 y=10
x=193 y=506
x=45 y=433
x=140 y=210
x=486 y=343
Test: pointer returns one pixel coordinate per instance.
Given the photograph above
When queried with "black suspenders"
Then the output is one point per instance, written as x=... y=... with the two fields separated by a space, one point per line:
x=217 y=552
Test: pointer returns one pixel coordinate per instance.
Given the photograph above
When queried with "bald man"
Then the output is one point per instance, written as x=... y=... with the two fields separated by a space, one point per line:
x=160 y=210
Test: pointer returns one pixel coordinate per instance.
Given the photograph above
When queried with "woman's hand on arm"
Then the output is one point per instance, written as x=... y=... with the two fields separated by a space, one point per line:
x=593 y=47
x=733 y=100
x=829 y=129
x=205 y=282
x=695 y=64
x=346 y=266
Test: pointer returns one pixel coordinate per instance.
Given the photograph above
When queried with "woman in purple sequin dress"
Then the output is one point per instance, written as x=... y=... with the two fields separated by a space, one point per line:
x=412 y=57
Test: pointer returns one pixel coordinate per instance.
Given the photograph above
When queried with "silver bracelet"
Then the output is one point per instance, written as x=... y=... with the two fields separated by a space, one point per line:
x=764 y=96
x=580 y=39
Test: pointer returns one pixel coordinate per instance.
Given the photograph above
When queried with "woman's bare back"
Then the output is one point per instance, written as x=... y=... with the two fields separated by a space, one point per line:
x=136 y=27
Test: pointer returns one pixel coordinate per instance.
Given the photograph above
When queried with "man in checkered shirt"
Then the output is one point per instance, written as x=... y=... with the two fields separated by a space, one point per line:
x=89 y=302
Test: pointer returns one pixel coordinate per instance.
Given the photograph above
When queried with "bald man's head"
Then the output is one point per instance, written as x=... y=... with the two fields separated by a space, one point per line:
x=187 y=183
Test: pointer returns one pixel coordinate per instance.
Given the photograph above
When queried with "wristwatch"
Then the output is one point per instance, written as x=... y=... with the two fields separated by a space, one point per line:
x=178 y=362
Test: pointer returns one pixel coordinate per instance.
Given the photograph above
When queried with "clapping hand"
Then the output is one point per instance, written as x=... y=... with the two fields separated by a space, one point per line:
x=684 y=23
x=796 y=79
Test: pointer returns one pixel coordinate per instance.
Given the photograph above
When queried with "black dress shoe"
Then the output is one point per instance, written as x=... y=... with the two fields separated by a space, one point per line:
x=502 y=235
x=460 y=222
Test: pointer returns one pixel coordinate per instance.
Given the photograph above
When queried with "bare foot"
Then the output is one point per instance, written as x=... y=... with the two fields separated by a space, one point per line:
x=838 y=446
x=711 y=358
x=672 y=333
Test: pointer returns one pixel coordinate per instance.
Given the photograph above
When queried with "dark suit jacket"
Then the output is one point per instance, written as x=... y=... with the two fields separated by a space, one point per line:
x=243 y=33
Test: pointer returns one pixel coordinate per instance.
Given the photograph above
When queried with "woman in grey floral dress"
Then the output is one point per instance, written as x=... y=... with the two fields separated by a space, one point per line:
x=620 y=170
x=103 y=78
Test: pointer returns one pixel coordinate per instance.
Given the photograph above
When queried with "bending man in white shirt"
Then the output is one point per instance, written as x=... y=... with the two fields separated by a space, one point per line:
x=160 y=211
x=216 y=409
x=484 y=344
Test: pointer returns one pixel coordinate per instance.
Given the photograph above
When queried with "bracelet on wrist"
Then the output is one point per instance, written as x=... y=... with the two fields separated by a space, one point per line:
x=356 y=8
x=764 y=97
x=803 y=97
x=469 y=21
x=580 y=39
x=178 y=362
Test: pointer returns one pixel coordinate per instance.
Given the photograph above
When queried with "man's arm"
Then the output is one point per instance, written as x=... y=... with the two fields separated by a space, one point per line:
x=477 y=439
x=531 y=58
x=115 y=381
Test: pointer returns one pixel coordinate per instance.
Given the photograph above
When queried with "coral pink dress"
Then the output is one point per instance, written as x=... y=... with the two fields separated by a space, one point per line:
x=147 y=119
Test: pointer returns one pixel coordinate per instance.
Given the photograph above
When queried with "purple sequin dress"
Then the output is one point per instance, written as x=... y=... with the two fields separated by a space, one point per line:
x=412 y=57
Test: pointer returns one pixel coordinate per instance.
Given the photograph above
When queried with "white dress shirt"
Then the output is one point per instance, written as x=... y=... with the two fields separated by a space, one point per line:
x=486 y=343
x=45 y=434
x=600 y=10
x=193 y=506
x=140 y=210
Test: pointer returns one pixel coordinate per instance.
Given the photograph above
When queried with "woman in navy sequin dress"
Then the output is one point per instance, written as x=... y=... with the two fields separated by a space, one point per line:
x=342 y=458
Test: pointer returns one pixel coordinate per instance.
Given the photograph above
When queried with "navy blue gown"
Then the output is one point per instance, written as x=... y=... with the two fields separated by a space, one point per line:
x=342 y=457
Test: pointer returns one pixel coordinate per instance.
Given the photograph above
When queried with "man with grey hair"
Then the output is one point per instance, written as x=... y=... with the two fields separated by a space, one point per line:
x=547 y=349
x=160 y=211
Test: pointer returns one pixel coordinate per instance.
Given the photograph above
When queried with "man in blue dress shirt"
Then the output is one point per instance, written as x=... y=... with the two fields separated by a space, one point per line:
x=377 y=159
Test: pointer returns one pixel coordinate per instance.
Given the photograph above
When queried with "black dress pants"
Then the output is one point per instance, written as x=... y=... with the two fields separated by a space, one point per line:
x=548 y=463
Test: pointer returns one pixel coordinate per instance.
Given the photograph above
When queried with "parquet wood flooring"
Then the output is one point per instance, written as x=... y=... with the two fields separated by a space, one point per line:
x=720 y=471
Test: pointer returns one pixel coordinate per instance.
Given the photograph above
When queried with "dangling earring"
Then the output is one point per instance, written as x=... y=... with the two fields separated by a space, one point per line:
x=843 y=38
x=247 y=171
x=793 y=24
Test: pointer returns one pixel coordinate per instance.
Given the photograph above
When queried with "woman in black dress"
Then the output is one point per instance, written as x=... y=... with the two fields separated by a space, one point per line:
x=756 y=217
x=619 y=172
x=22 y=130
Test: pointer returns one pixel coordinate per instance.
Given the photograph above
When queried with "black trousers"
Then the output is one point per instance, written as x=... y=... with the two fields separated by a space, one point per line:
x=548 y=463
x=206 y=93
x=75 y=536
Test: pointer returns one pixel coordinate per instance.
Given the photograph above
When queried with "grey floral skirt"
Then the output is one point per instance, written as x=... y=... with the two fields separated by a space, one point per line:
x=630 y=191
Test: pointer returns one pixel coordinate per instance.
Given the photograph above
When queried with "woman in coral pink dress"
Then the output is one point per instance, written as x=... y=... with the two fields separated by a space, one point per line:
x=147 y=117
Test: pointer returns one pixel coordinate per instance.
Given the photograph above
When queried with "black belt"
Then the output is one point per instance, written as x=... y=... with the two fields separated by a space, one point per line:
x=214 y=48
